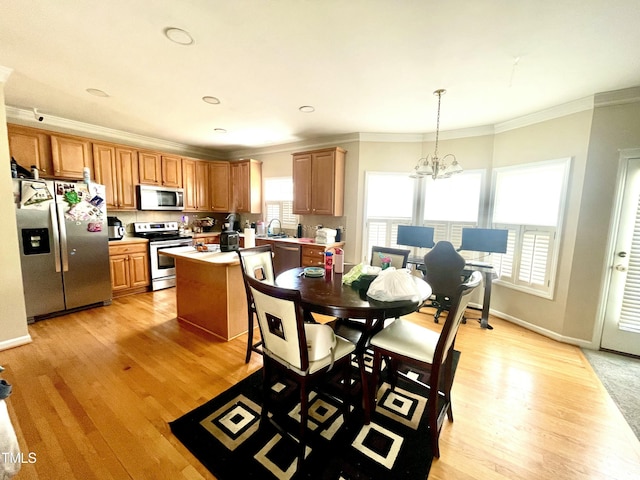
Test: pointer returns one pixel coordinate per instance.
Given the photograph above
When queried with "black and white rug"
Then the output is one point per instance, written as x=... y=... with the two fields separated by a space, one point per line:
x=225 y=434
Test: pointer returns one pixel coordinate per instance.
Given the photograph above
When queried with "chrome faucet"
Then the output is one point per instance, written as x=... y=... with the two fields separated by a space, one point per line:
x=269 y=230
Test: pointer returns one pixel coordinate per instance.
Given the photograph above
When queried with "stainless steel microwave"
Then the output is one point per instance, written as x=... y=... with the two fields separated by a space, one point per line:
x=151 y=197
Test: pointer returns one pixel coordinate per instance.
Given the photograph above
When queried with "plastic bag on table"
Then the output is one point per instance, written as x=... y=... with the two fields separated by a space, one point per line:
x=392 y=285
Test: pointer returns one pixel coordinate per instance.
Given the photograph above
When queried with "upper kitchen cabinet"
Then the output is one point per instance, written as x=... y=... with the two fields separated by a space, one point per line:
x=70 y=156
x=195 y=177
x=30 y=146
x=158 y=169
x=318 y=182
x=246 y=186
x=219 y=181
x=116 y=167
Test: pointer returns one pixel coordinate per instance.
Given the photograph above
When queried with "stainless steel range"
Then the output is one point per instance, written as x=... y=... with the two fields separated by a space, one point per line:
x=161 y=236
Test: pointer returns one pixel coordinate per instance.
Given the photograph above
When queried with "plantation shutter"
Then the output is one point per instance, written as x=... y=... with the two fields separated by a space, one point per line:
x=273 y=210
x=630 y=312
x=377 y=235
x=535 y=256
x=503 y=263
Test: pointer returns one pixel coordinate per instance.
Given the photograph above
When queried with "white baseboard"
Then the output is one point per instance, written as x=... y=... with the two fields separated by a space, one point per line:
x=545 y=332
x=15 y=342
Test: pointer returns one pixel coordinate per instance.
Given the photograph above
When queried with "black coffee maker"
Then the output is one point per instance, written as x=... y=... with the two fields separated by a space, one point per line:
x=230 y=239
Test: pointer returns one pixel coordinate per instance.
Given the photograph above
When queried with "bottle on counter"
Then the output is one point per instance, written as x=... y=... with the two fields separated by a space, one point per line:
x=34 y=172
x=328 y=261
x=299 y=232
x=338 y=261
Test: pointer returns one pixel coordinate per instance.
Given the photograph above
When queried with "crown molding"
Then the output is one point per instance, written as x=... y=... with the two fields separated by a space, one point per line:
x=63 y=125
x=297 y=146
x=5 y=72
x=618 y=97
x=558 y=111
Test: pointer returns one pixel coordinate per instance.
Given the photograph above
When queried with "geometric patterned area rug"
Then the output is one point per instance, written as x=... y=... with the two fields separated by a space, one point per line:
x=228 y=438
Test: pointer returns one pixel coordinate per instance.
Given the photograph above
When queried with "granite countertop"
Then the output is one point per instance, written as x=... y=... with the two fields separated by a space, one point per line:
x=126 y=240
x=214 y=258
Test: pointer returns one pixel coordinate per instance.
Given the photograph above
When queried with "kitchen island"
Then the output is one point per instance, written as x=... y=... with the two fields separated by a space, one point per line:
x=210 y=292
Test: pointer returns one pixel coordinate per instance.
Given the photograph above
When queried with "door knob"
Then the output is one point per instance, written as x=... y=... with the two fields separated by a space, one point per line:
x=621 y=268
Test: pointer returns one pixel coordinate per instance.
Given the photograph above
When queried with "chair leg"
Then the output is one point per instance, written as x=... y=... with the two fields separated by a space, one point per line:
x=249 y=339
x=370 y=398
x=304 y=413
x=346 y=379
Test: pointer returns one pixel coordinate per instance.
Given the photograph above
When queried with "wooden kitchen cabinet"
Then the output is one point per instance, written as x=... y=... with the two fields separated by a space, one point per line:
x=195 y=177
x=158 y=169
x=219 y=182
x=312 y=256
x=318 y=182
x=246 y=186
x=129 y=265
x=116 y=167
x=30 y=146
x=70 y=155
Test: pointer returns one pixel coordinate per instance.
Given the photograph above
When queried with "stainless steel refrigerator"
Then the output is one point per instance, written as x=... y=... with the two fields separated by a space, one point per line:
x=64 y=245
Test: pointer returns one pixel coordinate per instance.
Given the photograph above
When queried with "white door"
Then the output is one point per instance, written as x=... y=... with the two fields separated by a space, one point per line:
x=621 y=330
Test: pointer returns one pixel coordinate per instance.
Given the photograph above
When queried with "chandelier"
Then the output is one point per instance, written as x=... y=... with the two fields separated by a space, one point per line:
x=432 y=165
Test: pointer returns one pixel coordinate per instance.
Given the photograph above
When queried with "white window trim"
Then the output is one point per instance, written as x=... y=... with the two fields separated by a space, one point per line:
x=554 y=254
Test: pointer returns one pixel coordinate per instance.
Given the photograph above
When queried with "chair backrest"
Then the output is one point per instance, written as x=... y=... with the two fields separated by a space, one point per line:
x=444 y=268
x=459 y=302
x=257 y=262
x=281 y=322
x=398 y=256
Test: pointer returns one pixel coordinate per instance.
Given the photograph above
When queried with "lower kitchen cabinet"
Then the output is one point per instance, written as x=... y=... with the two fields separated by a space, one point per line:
x=312 y=255
x=129 y=265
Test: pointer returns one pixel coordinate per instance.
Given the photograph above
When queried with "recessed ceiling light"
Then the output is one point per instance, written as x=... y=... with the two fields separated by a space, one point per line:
x=220 y=130
x=97 y=92
x=307 y=109
x=211 y=100
x=179 y=36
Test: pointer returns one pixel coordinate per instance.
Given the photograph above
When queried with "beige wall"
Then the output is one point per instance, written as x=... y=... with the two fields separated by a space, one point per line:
x=13 y=316
x=615 y=127
x=559 y=138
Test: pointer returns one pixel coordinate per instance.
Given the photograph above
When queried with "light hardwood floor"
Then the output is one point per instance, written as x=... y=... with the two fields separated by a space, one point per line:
x=95 y=390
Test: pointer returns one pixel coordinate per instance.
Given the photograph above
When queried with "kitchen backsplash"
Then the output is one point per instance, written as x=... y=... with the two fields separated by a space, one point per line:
x=309 y=222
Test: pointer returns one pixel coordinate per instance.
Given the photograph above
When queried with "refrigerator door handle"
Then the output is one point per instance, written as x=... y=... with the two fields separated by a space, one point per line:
x=56 y=235
x=63 y=239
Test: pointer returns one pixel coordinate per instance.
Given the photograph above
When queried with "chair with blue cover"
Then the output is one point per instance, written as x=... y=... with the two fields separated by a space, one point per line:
x=406 y=343
x=289 y=350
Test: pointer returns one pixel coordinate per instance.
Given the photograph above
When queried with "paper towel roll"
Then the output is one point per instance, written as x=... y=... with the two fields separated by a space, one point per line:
x=249 y=237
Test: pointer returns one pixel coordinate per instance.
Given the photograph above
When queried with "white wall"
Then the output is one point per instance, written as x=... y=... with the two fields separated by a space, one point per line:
x=13 y=316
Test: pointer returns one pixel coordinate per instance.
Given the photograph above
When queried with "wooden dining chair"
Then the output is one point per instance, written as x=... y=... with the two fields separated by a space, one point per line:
x=353 y=328
x=404 y=342
x=256 y=262
x=398 y=256
x=287 y=347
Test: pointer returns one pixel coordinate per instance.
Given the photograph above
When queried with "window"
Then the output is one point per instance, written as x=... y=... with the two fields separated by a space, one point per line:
x=388 y=203
x=451 y=204
x=394 y=199
x=278 y=199
x=529 y=201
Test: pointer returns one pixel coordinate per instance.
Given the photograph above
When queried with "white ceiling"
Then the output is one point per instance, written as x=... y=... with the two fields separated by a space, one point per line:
x=367 y=66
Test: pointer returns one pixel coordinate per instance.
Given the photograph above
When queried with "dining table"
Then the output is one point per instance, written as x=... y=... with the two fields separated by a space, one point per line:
x=328 y=295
